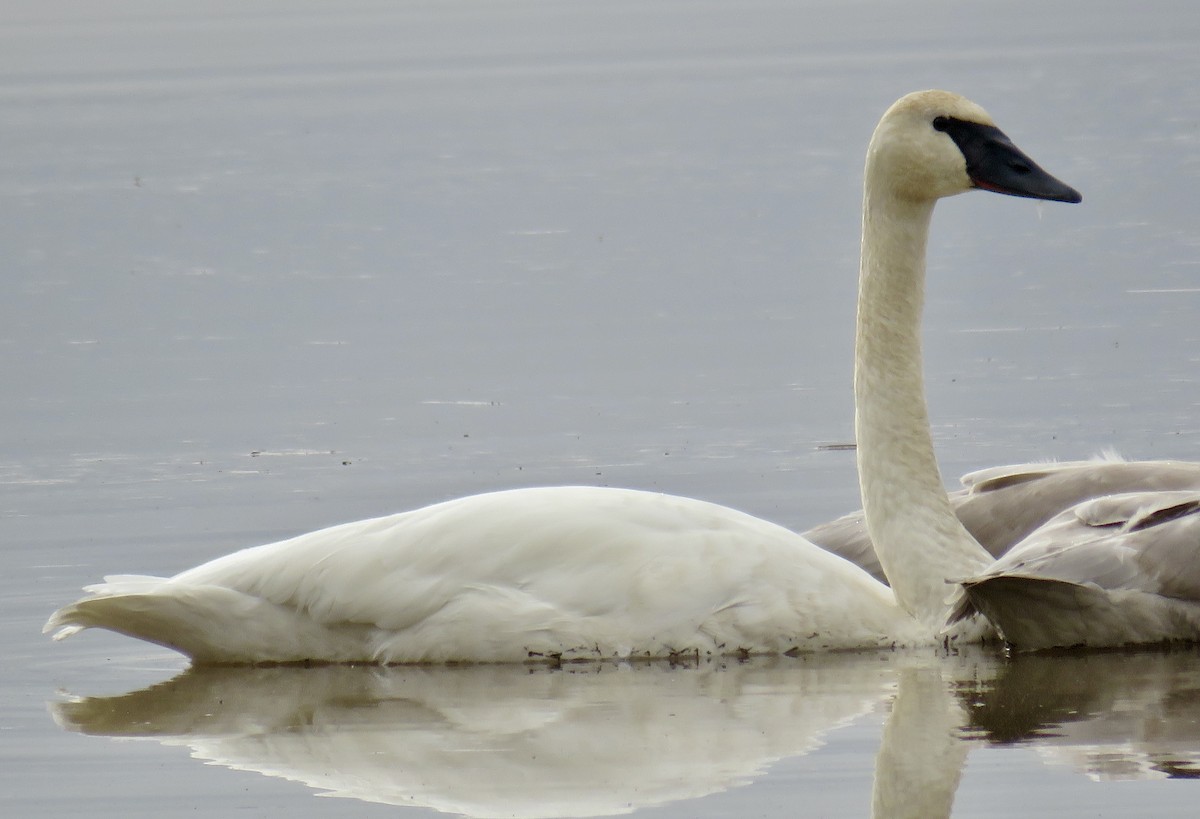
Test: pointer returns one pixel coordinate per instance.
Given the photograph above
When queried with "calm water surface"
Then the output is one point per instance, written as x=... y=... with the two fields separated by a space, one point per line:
x=275 y=266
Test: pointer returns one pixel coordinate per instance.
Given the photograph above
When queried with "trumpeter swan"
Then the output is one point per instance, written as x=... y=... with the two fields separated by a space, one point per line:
x=583 y=572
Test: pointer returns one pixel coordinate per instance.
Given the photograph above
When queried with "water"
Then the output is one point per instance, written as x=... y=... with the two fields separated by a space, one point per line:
x=270 y=268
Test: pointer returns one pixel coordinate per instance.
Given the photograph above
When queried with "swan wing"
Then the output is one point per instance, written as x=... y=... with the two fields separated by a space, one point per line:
x=1003 y=505
x=848 y=538
x=1115 y=570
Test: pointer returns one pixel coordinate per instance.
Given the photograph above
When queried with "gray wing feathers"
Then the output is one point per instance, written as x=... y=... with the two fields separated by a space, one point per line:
x=1111 y=571
x=1003 y=505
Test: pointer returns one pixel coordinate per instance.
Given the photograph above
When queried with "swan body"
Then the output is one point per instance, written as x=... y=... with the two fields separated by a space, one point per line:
x=555 y=573
x=1002 y=505
x=577 y=572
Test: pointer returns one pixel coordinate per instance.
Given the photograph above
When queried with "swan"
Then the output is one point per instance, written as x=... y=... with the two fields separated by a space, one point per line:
x=570 y=573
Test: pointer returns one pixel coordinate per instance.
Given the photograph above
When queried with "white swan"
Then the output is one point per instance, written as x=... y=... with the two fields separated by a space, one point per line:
x=579 y=572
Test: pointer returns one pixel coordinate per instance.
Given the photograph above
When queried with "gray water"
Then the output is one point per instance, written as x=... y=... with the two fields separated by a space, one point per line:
x=278 y=265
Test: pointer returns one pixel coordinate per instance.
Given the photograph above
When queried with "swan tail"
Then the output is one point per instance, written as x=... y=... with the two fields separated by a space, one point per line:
x=96 y=610
x=962 y=607
x=1035 y=613
x=208 y=623
x=146 y=608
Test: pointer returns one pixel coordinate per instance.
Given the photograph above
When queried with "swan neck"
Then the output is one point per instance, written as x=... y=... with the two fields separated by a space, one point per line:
x=920 y=542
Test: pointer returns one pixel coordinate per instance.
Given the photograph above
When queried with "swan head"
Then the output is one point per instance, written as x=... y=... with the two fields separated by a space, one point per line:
x=932 y=144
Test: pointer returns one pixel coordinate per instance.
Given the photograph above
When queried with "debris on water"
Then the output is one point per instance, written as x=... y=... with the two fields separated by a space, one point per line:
x=837 y=447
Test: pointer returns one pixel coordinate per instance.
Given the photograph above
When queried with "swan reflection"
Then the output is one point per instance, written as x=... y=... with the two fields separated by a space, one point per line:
x=590 y=740
x=1118 y=715
x=581 y=740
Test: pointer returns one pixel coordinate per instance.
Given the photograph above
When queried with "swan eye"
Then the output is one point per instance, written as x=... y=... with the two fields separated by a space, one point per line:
x=941 y=123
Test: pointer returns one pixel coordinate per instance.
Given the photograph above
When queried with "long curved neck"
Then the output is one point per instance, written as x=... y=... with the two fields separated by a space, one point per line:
x=920 y=542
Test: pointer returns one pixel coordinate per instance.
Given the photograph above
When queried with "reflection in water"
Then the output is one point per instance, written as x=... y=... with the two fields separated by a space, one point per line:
x=593 y=740
x=921 y=754
x=501 y=740
x=1113 y=715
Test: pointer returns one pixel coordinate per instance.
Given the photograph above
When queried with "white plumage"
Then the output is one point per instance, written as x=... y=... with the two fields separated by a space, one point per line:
x=555 y=573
